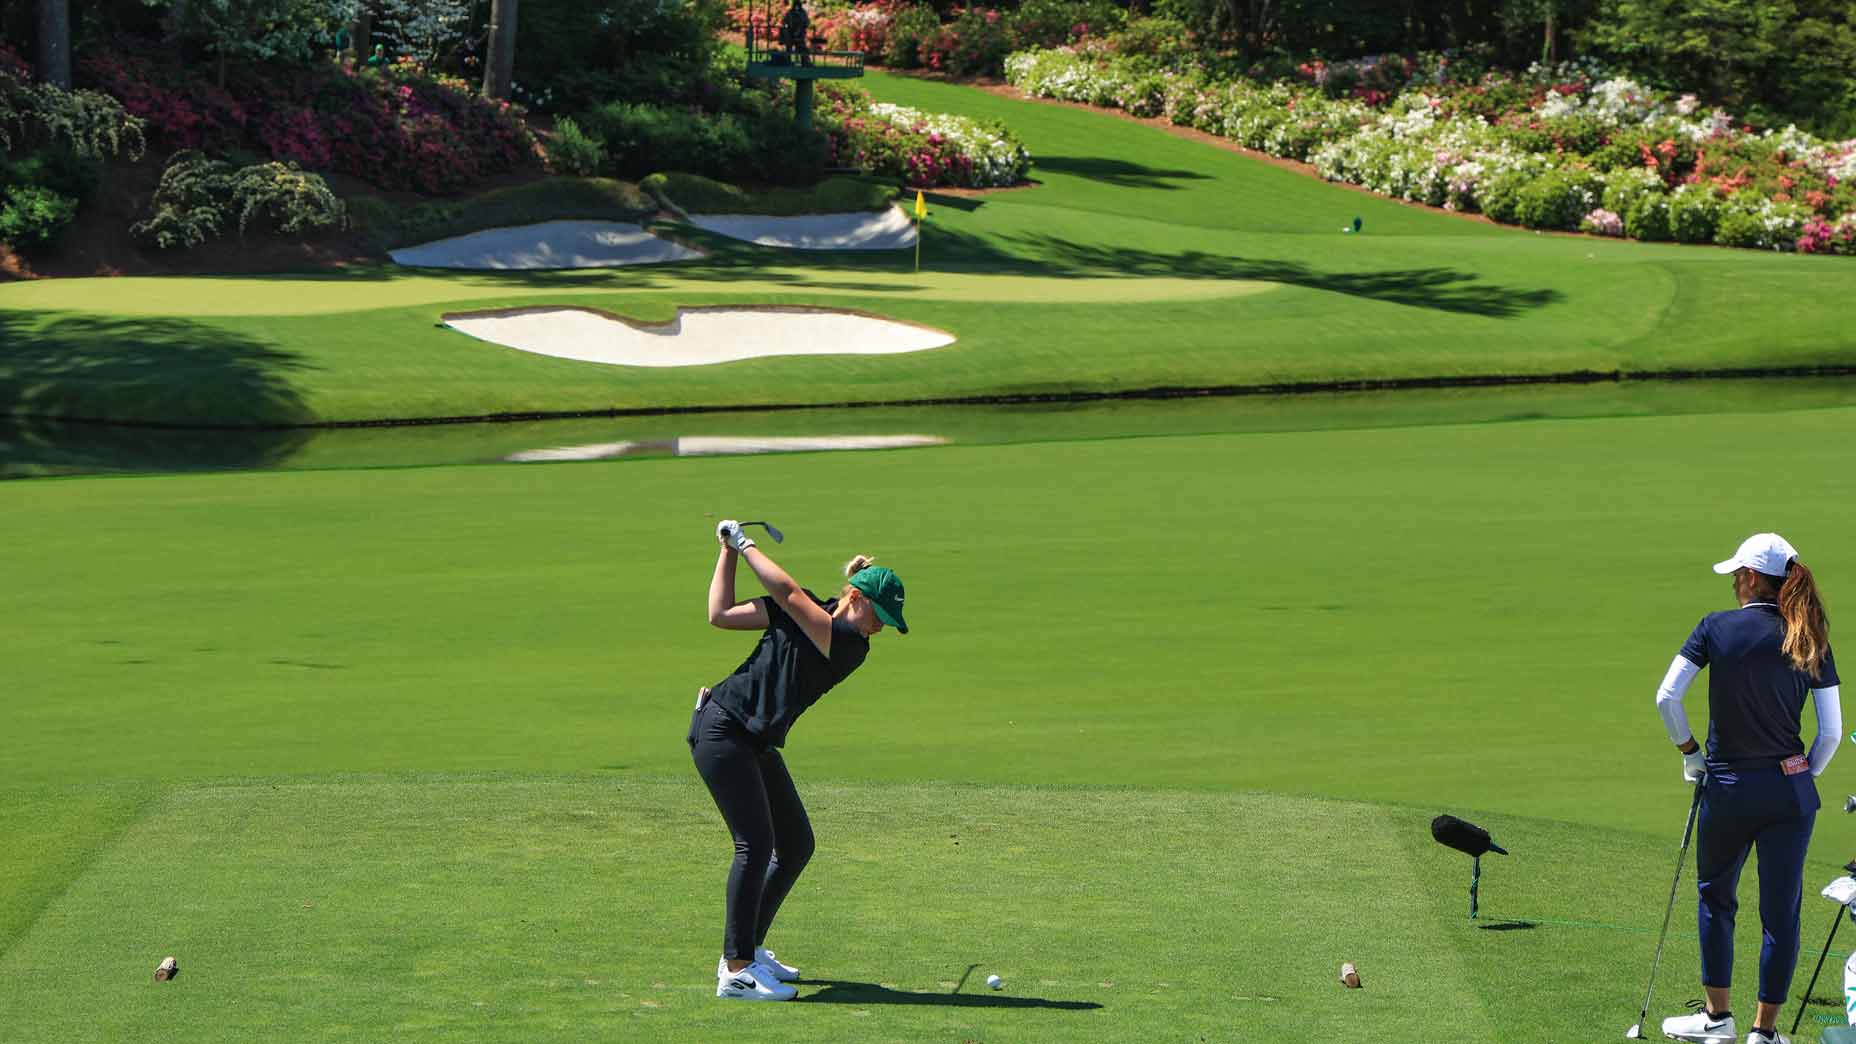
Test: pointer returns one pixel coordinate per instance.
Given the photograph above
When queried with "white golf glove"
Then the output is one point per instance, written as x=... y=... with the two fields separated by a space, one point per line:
x=1842 y=890
x=1695 y=766
x=729 y=531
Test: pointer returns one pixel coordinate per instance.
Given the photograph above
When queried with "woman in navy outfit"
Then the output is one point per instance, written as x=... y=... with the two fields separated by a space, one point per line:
x=1765 y=661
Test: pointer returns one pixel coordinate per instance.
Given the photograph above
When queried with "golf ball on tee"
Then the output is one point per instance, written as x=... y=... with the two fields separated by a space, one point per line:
x=995 y=982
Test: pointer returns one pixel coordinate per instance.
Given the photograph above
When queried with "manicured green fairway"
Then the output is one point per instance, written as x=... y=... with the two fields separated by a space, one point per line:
x=1139 y=260
x=1186 y=704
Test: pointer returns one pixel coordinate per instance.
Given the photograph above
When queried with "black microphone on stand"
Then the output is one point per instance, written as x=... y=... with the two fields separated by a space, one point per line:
x=1472 y=841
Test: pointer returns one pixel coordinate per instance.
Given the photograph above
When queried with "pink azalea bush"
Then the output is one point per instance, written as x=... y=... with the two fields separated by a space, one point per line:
x=396 y=127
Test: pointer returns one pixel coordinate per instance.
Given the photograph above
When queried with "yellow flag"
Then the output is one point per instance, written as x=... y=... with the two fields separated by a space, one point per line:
x=921 y=207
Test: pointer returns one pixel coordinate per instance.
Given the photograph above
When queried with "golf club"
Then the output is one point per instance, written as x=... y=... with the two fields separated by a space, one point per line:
x=1688 y=831
x=1805 y=1001
x=778 y=537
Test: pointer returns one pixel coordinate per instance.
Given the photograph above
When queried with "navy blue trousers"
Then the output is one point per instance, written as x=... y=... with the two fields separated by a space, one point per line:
x=1753 y=810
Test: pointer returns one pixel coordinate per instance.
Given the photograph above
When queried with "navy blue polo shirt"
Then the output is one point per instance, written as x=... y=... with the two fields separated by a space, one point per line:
x=1755 y=696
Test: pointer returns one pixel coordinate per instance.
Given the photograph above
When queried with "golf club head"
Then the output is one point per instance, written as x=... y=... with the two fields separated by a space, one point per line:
x=772 y=531
x=1634 y=1033
x=1849 y=803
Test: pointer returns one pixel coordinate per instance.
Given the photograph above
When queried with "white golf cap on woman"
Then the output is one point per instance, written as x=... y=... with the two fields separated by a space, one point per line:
x=1767 y=553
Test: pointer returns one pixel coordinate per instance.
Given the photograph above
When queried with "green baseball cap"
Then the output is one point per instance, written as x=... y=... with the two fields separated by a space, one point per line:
x=884 y=589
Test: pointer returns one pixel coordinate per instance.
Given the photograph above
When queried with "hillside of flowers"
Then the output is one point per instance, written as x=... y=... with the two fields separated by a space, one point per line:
x=1565 y=147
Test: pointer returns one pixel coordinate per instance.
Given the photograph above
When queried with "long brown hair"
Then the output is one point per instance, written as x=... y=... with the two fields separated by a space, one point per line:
x=1807 y=626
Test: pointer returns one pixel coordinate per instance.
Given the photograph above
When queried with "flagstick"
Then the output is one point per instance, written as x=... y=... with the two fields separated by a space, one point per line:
x=918 y=251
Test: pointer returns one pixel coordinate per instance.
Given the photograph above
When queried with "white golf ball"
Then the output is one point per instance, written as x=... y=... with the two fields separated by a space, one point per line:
x=995 y=982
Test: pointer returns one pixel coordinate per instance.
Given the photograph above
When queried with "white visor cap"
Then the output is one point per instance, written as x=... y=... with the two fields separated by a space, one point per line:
x=1766 y=553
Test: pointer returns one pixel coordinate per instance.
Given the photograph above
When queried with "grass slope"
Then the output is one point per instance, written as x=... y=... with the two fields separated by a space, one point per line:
x=566 y=909
x=1389 y=599
x=1137 y=261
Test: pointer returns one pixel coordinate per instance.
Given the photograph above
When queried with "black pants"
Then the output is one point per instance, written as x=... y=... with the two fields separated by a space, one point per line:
x=773 y=837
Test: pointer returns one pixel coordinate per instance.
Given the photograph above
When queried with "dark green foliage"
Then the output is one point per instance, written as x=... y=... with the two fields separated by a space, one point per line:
x=574 y=54
x=1051 y=23
x=1782 y=60
x=757 y=139
x=31 y=216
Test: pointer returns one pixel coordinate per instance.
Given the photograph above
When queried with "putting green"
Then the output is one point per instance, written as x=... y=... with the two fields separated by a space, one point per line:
x=545 y=909
x=285 y=296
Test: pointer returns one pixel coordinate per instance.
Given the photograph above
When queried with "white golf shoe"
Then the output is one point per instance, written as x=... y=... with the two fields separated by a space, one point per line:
x=764 y=958
x=1776 y=1038
x=1700 y=1028
x=751 y=983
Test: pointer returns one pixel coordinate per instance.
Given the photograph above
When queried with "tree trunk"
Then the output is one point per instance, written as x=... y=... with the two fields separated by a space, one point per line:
x=500 y=63
x=1546 y=44
x=361 y=36
x=55 y=42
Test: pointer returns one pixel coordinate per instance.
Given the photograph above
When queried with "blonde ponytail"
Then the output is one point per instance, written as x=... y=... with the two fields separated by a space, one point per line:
x=858 y=564
x=1807 y=627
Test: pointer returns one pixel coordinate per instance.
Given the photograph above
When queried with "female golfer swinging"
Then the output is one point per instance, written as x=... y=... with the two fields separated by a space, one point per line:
x=807 y=645
x=1760 y=790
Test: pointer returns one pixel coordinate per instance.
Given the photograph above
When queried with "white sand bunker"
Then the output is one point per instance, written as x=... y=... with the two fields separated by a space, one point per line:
x=888 y=229
x=551 y=244
x=722 y=445
x=697 y=336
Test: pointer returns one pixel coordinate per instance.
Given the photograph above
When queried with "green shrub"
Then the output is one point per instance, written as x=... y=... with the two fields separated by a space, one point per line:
x=1558 y=199
x=1694 y=214
x=1648 y=219
x=910 y=33
x=641 y=137
x=1500 y=196
x=571 y=151
x=34 y=217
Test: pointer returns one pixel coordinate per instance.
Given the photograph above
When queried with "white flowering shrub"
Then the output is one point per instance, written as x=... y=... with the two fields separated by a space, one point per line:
x=1565 y=146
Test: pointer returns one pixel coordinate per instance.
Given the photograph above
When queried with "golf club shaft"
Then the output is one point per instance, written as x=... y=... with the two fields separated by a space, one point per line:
x=1688 y=832
x=1805 y=1001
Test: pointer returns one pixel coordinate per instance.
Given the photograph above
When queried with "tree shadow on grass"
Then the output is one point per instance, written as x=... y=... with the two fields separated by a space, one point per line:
x=141 y=371
x=1119 y=173
x=1435 y=287
x=838 y=991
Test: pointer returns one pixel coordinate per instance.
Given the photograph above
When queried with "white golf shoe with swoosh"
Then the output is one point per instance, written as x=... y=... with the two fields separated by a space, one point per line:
x=1701 y=1028
x=751 y=983
x=764 y=957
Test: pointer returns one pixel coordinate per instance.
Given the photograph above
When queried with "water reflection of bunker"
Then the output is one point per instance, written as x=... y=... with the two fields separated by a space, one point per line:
x=716 y=446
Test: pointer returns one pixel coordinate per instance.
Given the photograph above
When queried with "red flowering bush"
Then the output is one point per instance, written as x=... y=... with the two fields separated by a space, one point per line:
x=396 y=127
x=11 y=64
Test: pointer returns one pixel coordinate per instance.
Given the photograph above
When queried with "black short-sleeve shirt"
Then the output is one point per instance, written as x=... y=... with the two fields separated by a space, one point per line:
x=1755 y=696
x=786 y=673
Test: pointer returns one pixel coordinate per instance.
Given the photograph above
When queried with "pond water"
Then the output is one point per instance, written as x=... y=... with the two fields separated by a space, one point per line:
x=44 y=449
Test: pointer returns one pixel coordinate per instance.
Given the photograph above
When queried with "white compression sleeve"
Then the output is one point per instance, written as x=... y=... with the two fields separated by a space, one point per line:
x=1669 y=699
x=1829 y=728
